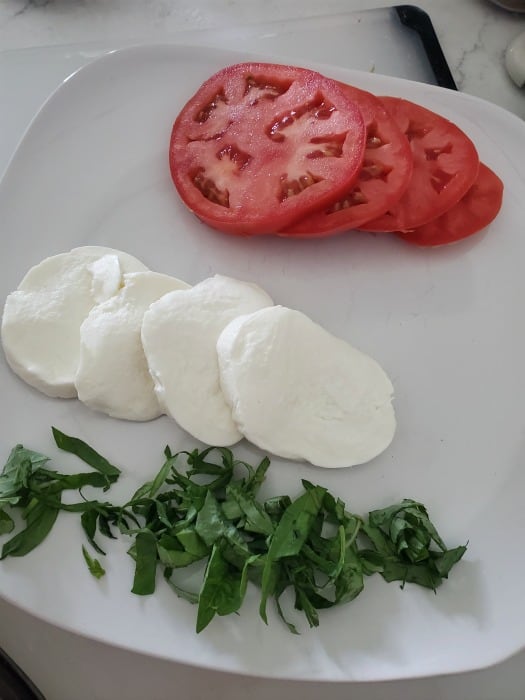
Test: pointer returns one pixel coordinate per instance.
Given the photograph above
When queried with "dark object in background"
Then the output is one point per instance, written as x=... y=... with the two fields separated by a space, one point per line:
x=14 y=684
x=418 y=20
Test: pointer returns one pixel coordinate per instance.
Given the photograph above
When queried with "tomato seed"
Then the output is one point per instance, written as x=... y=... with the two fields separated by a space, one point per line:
x=267 y=90
x=324 y=113
x=332 y=146
x=434 y=153
x=209 y=189
x=238 y=157
x=319 y=108
x=290 y=188
x=352 y=199
x=374 y=171
x=373 y=140
x=205 y=113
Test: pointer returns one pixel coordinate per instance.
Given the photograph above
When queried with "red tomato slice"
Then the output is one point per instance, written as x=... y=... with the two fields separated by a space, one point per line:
x=471 y=214
x=261 y=145
x=384 y=176
x=445 y=166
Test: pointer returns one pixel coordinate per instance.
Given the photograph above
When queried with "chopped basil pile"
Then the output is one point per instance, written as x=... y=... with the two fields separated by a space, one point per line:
x=210 y=512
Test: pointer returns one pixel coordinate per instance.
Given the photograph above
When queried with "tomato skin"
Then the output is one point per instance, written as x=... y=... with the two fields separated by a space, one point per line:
x=470 y=215
x=385 y=175
x=260 y=145
x=446 y=164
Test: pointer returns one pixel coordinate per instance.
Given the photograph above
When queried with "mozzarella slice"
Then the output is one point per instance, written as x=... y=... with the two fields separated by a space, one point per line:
x=299 y=392
x=113 y=375
x=179 y=335
x=42 y=318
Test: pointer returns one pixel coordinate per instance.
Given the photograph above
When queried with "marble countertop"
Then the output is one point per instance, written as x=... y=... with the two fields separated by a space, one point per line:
x=474 y=35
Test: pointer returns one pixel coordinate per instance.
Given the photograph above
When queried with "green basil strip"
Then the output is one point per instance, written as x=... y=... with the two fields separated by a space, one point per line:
x=289 y=536
x=95 y=567
x=88 y=520
x=7 y=523
x=350 y=581
x=223 y=589
x=15 y=476
x=86 y=453
x=211 y=523
x=159 y=480
x=257 y=520
x=65 y=482
x=145 y=563
x=39 y=524
x=446 y=560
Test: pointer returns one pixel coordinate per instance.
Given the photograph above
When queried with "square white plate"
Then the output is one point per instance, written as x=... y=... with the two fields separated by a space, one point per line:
x=445 y=324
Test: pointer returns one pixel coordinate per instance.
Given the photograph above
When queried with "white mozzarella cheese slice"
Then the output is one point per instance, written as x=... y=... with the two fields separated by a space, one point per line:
x=298 y=392
x=41 y=319
x=113 y=375
x=179 y=335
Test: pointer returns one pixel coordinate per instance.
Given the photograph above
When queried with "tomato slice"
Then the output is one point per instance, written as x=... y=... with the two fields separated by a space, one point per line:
x=471 y=214
x=384 y=175
x=260 y=145
x=446 y=164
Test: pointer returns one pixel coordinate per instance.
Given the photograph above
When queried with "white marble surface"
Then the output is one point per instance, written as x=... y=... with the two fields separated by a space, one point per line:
x=473 y=34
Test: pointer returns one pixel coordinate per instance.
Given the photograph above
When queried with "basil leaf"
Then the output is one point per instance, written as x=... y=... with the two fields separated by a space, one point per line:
x=15 y=476
x=88 y=520
x=295 y=523
x=192 y=543
x=289 y=537
x=257 y=520
x=371 y=561
x=350 y=581
x=145 y=563
x=255 y=482
x=7 y=523
x=445 y=561
x=94 y=566
x=182 y=550
x=223 y=589
x=159 y=480
x=64 y=482
x=86 y=453
x=211 y=524
x=40 y=521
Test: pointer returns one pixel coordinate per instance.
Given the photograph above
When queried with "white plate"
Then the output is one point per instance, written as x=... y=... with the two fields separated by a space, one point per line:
x=445 y=324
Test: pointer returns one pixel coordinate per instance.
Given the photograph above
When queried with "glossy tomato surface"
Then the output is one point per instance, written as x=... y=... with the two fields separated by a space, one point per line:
x=261 y=145
x=383 y=177
x=446 y=164
x=470 y=215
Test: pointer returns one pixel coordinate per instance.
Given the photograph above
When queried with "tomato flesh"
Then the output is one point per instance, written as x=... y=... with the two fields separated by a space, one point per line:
x=383 y=177
x=261 y=145
x=470 y=215
x=446 y=164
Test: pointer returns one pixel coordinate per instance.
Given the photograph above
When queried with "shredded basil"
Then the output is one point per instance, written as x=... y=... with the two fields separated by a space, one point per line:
x=209 y=511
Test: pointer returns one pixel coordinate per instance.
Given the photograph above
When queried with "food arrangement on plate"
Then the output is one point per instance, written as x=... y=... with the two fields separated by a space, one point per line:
x=260 y=148
x=260 y=152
